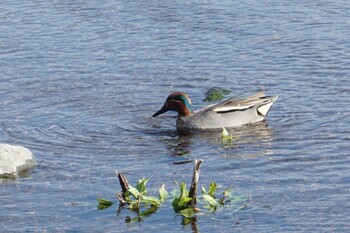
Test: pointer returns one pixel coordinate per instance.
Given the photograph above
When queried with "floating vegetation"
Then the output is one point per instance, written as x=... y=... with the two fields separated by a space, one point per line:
x=226 y=137
x=103 y=203
x=216 y=93
x=184 y=201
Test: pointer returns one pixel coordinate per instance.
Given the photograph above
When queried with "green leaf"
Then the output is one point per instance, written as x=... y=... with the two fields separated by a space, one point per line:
x=163 y=194
x=183 y=202
x=103 y=203
x=102 y=207
x=204 y=191
x=148 y=211
x=188 y=212
x=225 y=135
x=184 y=199
x=212 y=189
x=210 y=199
x=186 y=221
x=175 y=202
x=180 y=202
x=134 y=202
x=134 y=206
x=133 y=191
x=150 y=200
x=183 y=190
x=141 y=185
x=224 y=132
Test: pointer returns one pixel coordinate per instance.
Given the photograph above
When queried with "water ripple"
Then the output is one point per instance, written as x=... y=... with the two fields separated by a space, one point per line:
x=80 y=81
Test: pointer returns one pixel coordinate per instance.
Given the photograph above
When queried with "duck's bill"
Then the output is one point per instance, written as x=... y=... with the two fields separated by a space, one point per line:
x=161 y=111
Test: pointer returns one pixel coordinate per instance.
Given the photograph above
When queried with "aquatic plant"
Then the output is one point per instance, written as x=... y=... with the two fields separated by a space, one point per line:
x=216 y=93
x=226 y=137
x=184 y=201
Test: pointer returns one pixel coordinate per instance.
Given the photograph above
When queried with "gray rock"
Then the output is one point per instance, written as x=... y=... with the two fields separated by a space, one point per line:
x=15 y=160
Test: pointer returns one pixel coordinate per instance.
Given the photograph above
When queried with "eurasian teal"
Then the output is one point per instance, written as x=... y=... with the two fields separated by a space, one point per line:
x=232 y=112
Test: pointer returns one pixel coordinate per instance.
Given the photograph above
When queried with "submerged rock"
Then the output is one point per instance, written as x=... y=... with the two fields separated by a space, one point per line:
x=15 y=160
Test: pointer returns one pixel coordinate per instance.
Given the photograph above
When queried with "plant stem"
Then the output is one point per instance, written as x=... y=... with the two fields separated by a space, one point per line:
x=124 y=184
x=194 y=183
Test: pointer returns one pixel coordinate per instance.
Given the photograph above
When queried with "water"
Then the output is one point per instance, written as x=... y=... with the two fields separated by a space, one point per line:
x=80 y=81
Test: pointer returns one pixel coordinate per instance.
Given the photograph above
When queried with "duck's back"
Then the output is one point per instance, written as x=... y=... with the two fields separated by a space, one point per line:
x=230 y=113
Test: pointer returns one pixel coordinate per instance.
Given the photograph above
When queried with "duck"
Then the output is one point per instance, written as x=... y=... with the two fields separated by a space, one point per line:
x=233 y=112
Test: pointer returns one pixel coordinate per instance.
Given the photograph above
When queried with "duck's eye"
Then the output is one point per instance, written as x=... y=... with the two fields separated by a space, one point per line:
x=178 y=98
x=173 y=99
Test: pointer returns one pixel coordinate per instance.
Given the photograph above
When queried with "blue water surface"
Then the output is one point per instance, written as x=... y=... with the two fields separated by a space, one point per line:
x=80 y=81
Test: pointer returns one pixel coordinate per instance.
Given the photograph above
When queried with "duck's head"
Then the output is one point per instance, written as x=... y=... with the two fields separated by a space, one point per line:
x=178 y=102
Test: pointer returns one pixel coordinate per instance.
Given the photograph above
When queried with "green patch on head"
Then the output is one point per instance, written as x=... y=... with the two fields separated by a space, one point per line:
x=184 y=100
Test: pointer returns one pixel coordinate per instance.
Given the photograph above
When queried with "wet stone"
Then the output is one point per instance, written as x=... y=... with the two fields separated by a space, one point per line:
x=15 y=160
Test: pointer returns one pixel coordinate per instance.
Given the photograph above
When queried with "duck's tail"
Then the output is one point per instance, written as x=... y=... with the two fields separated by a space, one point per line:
x=264 y=108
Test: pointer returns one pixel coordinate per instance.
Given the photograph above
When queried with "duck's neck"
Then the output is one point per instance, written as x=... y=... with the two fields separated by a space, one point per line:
x=184 y=112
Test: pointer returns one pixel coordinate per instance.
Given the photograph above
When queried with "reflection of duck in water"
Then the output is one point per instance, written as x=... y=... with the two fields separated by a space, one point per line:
x=229 y=113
